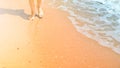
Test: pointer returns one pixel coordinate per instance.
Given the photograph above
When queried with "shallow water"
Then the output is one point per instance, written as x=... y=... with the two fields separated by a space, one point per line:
x=101 y=19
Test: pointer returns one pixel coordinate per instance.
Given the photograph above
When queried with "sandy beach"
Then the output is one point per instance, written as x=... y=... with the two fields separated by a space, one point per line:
x=49 y=42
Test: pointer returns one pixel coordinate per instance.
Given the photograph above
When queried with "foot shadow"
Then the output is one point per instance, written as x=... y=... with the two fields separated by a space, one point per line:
x=17 y=12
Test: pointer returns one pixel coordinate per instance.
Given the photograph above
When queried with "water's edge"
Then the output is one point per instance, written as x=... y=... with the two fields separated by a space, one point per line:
x=101 y=22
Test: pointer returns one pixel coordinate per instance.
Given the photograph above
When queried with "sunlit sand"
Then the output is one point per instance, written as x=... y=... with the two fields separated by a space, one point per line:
x=50 y=42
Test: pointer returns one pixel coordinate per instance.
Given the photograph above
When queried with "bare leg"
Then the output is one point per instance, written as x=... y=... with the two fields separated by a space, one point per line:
x=32 y=6
x=39 y=8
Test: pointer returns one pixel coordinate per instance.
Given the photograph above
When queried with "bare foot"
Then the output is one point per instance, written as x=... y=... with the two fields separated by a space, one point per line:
x=40 y=13
x=32 y=17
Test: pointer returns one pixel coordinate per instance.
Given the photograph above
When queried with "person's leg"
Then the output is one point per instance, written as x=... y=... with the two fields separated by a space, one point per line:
x=32 y=6
x=39 y=8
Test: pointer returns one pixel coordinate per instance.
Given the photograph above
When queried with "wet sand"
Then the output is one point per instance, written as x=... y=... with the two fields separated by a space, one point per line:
x=50 y=42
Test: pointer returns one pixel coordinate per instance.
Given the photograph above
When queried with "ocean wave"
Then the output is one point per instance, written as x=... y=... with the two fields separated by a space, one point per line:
x=101 y=19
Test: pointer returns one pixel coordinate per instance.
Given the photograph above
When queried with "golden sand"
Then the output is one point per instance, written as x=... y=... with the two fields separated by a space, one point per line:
x=50 y=42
